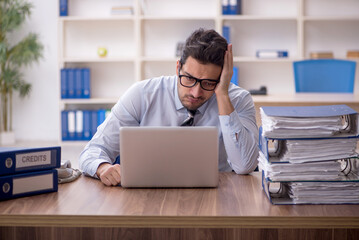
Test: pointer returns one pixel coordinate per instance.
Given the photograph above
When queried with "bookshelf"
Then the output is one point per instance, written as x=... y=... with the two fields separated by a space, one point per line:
x=143 y=44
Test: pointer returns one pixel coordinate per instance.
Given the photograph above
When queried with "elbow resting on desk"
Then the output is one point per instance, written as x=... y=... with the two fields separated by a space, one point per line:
x=247 y=170
x=247 y=164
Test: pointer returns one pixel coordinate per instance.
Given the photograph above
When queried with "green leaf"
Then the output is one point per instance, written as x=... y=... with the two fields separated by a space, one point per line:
x=26 y=51
x=11 y=76
x=13 y=14
x=3 y=50
x=23 y=87
x=13 y=79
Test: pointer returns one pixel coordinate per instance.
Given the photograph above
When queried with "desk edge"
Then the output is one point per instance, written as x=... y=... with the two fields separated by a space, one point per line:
x=178 y=221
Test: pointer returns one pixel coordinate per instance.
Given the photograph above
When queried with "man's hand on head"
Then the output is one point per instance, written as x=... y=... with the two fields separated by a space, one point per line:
x=110 y=175
x=227 y=72
x=225 y=106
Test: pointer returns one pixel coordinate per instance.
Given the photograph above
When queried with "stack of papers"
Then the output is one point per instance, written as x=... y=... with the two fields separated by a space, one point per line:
x=329 y=170
x=324 y=192
x=308 y=122
x=309 y=154
x=313 y=150
x=284 y=127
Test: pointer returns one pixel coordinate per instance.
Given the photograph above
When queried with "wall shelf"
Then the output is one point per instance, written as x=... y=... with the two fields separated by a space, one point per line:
x=143 y=45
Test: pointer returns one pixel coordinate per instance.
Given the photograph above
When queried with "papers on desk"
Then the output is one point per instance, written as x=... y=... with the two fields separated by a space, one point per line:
x=324 y=192
x=329 y=170
x=308 y=154
x=309 y=122
x=341 y=189
x=308 y=150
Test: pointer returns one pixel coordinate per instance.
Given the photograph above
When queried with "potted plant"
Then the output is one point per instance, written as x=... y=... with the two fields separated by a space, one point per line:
x=12 y=57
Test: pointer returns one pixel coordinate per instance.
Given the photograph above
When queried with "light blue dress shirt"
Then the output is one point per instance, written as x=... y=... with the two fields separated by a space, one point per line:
x=155 y=102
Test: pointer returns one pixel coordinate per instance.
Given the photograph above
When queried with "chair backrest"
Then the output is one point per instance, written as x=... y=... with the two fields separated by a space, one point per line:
x=324 y=75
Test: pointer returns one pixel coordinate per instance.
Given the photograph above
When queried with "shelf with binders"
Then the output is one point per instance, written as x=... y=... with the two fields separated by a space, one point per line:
x=143 y=44
x=81 y=124
x=102 y=75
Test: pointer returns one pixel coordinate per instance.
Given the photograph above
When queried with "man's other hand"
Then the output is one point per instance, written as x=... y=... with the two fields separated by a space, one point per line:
x=110 y=175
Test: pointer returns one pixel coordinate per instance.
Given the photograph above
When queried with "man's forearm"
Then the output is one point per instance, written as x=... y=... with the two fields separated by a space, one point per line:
x=225 y=106
x=240 y=138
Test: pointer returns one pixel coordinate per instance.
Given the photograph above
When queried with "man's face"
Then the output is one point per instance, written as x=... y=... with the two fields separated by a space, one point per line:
x=194 y=97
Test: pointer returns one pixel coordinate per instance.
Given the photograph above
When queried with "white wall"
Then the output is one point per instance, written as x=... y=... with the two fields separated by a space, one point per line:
x=36 y=117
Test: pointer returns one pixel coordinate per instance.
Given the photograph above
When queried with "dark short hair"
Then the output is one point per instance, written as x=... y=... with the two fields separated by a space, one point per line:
x=206 y=46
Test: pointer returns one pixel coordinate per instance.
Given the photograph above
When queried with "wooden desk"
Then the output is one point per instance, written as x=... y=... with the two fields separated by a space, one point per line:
x=237 y=208
x=305 y=99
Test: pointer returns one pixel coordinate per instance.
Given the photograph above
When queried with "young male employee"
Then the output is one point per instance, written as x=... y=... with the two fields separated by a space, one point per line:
x=201 y=88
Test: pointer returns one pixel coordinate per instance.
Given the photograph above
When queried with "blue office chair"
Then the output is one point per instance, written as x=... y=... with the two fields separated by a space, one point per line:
x=324 y=75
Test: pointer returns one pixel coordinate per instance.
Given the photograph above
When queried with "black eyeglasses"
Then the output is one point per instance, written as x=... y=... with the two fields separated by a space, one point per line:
x=206 y=84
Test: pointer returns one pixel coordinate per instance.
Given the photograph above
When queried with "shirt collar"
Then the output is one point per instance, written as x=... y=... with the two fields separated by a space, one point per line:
x=179 y=105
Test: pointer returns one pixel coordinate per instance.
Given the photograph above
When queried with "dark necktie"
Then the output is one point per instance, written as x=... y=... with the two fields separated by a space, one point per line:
x=190 y=118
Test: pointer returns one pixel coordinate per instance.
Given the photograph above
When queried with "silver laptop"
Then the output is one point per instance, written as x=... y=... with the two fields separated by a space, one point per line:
x=169 y=156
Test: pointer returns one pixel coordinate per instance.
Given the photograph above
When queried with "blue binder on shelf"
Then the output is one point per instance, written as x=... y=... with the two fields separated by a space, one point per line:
x=235 y=7
x=78 y=83
x=64 y=83
x=94 y=124
x=86 y=87
x=101 y=116
x=87 y=125
x=226 y=32
x=17 y=160
x=28 y=184
x=63 y=8
x=225 y=7
x=64 y=126
x=71 y=83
